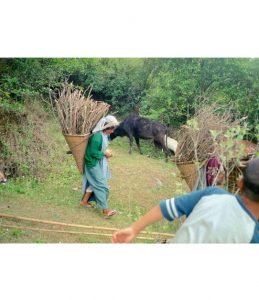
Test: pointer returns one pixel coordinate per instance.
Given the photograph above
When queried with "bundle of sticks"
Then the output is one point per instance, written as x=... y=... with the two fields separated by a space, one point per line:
x=210 y=135
x=78 y=114
x=196 y=142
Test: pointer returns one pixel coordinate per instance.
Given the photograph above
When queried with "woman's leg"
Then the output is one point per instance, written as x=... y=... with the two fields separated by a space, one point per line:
x=86 y=197
x=87 y=191
x=99 y=185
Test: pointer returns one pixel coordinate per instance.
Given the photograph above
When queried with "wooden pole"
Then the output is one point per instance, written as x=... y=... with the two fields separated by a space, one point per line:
x=66 y=231
x=77 y=225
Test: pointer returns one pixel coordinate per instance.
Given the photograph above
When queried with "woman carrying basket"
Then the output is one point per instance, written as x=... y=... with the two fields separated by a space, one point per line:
x=96 y=170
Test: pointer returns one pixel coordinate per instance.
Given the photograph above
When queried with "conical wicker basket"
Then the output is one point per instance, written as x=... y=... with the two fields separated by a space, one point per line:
x=77 y=145
x=189 y=172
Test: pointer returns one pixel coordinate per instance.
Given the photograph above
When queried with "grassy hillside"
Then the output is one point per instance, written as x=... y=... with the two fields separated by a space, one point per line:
x=138 y=182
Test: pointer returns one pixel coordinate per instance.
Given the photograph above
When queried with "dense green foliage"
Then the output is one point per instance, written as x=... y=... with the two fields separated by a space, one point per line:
x=165 y=89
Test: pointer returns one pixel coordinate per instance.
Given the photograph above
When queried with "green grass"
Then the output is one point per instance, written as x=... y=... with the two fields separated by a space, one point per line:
x=138 y=183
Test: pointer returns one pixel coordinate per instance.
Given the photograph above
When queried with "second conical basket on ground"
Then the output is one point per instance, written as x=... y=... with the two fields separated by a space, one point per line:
x=77 y=145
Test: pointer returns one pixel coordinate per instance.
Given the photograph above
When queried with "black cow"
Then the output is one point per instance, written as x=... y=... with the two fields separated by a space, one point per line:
x=142 y=128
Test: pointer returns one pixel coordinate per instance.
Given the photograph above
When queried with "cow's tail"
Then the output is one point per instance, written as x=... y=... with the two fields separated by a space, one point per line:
x=165 y=138
x=166 y=135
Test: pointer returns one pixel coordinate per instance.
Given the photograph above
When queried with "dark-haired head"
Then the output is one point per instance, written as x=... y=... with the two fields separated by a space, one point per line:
x=251 y=180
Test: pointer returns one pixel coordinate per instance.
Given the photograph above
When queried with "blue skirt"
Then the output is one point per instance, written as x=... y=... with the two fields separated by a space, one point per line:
x=95 y=178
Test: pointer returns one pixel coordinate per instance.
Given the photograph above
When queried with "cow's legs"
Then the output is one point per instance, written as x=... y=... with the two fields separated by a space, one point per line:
x=166 y=151
x=130 y=143
x=138 y=144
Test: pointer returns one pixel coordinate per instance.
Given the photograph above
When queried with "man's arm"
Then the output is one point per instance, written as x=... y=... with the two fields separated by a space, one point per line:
x=126 y=235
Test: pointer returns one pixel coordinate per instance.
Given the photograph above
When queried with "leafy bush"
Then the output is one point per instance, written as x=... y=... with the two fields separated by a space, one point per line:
x=24 y=145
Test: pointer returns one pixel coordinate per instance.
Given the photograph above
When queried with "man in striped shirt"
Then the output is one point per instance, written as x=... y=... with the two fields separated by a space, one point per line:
x=213 y=215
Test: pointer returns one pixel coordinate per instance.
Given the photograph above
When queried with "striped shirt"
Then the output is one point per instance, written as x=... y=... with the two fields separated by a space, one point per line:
x=213 y=216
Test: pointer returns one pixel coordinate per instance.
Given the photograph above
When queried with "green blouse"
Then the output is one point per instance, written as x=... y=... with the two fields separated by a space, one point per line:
x=93 y=151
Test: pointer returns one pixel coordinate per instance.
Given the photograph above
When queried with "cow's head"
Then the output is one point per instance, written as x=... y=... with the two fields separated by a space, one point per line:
x=119 y=131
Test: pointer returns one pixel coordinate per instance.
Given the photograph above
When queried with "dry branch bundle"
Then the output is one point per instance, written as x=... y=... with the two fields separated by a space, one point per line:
x=78 y=114
x=210 y=134
x=196 y=142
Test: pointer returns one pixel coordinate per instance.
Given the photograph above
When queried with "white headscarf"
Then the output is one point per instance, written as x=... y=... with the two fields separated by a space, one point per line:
x=105 y=122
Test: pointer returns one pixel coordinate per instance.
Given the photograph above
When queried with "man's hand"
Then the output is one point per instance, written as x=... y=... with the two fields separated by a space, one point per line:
x=128 y=234
x=124 y=235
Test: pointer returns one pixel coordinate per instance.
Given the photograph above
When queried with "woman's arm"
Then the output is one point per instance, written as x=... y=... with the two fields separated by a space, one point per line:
x=95 y=146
